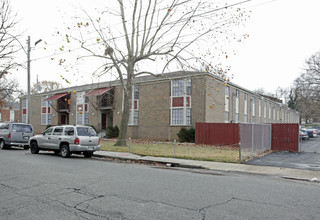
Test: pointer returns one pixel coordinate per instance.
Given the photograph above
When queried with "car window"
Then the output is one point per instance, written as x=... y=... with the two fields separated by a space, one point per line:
x=4 y=126
x=21 y=128
x=86 y=131
x=69 y=131
x=58 y=131
x=48 y=131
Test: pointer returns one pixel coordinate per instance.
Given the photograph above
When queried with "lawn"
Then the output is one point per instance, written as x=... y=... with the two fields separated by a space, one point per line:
x=182 y=151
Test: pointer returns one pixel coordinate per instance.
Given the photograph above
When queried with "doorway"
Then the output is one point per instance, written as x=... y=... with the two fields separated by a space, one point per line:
x=106 y=119
x=64 y=119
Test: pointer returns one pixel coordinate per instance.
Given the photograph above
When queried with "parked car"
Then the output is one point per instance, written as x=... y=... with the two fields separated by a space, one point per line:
x=66 y=140
x=318 y=128
x=313 y=130
x=15 y=134
x=303 y=135
x=310 y=132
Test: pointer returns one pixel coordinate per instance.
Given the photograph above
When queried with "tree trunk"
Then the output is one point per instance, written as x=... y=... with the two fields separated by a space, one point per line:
x=121 y=141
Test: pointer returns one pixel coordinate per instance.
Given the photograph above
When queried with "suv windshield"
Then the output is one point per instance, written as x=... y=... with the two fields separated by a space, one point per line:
x=86 y=131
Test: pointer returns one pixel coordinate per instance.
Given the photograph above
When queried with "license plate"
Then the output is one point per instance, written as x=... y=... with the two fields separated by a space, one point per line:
x=90 y=148
x=26 y=137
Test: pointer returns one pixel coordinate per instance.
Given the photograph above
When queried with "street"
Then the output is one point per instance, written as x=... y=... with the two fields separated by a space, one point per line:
x=46 y=186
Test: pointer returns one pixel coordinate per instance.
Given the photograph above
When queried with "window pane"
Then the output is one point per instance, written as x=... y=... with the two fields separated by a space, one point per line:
x=44 y=119
x=136 y=92
x=136 y=117
x=86 y=131
x=86 y=118
x=177 y=116
x=188 y=82
x=49 y=119
x=188 y=119
x=69 y=131
x=178 y=87
x=79 y=119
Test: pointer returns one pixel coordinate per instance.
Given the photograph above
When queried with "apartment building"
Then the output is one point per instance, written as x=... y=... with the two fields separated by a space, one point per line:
x=161 y=105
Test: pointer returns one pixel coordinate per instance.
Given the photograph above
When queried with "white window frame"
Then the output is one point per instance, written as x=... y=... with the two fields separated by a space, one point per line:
x=237 y=105
x=246 y=107
x=186 y=110
x=82 y=116
x=226 y=104
x=46 y=116
x=132 y=119
x=24 y=106
x=253 y=120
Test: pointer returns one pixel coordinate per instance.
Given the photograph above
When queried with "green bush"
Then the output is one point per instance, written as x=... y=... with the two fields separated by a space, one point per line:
x=191 y=134
x=186 y=135
x=112 y=132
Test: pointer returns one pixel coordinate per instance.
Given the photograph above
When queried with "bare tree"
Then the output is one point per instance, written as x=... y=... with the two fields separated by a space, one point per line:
x=133 y=35
x=8 y=49
x=45 y=86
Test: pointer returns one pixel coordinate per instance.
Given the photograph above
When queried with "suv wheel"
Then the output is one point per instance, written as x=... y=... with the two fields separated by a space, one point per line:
x=2 y=144
x=65 y=151
x=34 y=149
x=87 y=154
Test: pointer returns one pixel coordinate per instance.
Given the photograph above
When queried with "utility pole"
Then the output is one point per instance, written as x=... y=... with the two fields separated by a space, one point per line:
x=28 y=67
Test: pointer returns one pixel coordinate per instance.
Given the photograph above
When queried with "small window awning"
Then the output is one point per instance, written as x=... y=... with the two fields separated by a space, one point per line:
x=56 y=96
x=97 y=92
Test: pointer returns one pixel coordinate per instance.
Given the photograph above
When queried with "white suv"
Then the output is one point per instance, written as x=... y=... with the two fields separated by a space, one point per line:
x=66 y=139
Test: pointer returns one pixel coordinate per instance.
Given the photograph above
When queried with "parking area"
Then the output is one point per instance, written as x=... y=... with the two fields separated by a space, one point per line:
x=308 y=158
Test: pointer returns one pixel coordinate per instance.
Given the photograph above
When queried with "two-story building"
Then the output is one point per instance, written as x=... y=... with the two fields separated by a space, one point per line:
x=161 y=105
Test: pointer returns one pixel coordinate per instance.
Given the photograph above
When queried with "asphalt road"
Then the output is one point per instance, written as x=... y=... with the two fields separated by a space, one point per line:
x=45 y=186
x=307 y=159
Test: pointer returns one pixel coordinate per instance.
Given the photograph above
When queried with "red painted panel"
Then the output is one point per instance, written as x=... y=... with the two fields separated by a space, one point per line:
x=177 y=102
x=24 y=111
x=44 y=109
x=49 y=109
x=217 y=133
x=135 y=104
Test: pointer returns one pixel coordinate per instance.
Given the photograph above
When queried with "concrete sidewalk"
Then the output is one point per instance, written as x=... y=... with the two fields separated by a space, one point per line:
x=288 y=173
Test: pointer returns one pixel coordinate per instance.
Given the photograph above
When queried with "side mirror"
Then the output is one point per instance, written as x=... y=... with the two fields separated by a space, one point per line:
x=44 y=134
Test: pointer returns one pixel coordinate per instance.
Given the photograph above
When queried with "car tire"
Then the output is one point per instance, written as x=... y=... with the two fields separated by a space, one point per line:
x=87 y=154
x=2 y=144
x=34 y=149
x=65 y=151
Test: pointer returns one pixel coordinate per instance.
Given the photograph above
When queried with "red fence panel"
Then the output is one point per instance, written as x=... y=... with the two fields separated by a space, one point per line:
x=217 y=133
x=285 y=137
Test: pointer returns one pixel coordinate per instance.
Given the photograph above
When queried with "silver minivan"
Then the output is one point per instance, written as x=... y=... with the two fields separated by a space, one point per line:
x=15 y=134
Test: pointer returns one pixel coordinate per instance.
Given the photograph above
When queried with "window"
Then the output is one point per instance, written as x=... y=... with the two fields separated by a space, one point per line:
x=246 y=107
x=180 y=99
x=237 y=105
x=253 y=110
x=48 y=131
x=260 y=111
x=86 y=131
x=69 y=131
x=265 y=112
x=45 y=111
x=24 y=110
x=82 y=109
x=58 y=131
x=0 y=116
x=11 y=115
x=226 y=105
x=134 y=107
x=21 y=128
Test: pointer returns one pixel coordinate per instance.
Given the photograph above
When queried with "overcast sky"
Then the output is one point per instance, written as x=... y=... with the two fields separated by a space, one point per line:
x=282 y=34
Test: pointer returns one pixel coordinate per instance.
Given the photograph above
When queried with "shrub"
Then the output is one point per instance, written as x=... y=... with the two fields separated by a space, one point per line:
x=112 y=132
x=185 y=135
